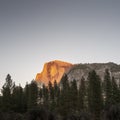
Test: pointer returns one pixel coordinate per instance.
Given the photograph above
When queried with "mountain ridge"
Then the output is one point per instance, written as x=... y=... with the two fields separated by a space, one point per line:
x=55 y=69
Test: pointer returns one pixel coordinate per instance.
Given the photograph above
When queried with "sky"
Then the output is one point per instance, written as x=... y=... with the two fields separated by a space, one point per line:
x=33 y=32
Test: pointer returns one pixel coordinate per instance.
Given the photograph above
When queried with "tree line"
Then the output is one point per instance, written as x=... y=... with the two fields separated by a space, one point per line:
x=92 y=96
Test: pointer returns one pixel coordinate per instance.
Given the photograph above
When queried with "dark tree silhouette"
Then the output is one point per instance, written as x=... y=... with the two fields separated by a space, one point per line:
x=95 y=102
x=82 y=95
x=33 y=94
x=115 y=92
x=7 y=90
x=73 y=96
x=18 y=99
x=107 y=88
x=64 y=107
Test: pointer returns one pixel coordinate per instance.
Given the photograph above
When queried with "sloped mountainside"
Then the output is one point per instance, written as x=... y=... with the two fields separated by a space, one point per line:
x=52 y=71
x=79 y=70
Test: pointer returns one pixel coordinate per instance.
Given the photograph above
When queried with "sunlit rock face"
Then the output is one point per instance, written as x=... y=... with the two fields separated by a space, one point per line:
x=52 y=71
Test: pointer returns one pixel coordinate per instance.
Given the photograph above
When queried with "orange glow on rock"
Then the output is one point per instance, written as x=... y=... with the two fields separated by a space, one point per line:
x=52 y=71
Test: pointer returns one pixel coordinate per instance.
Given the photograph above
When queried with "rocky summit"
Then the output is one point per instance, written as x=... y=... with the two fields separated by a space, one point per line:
x=52 y=71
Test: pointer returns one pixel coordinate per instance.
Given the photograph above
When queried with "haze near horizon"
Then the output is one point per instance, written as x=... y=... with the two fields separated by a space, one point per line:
x=35 y=32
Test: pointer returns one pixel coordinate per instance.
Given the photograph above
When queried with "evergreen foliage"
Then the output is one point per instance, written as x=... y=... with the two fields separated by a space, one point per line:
x=18 y=99
x=7 y=90
x=73 y=96
x=95 y=101
x=115 y=92
x=107 y=88
x=26 y=96
x=65 y=98
x=51 y=96
x=82 y=95
x=32 y=94
x=0 y=102
x=57 y=96
x=45 y=96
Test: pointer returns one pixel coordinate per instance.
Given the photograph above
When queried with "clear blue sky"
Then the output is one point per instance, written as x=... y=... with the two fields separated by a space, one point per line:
x=33 y=32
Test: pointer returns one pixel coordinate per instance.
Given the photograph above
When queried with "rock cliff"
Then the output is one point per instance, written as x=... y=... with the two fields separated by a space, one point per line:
x=53 y=70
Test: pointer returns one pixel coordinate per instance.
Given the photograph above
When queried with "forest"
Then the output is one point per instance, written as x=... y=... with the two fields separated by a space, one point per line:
x=91 y=99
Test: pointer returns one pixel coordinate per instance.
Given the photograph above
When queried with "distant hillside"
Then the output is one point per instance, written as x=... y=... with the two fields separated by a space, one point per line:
x=77 y=71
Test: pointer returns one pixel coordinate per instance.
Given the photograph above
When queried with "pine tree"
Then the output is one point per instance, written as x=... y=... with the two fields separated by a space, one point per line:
x=45 y=96
x=64 y=83
x=40 y=96
x=64 y=107
x=56 y=90
x=18 y=99
x=56 y=95
x=0 y=102
x=73 y=96
x=51 y=96
x=115 y=92
x=51 y=91
x=94 y=95
x=82 y=95
x=107 y=88
x=7 y=90
x=26 y=96
x=33 y=94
